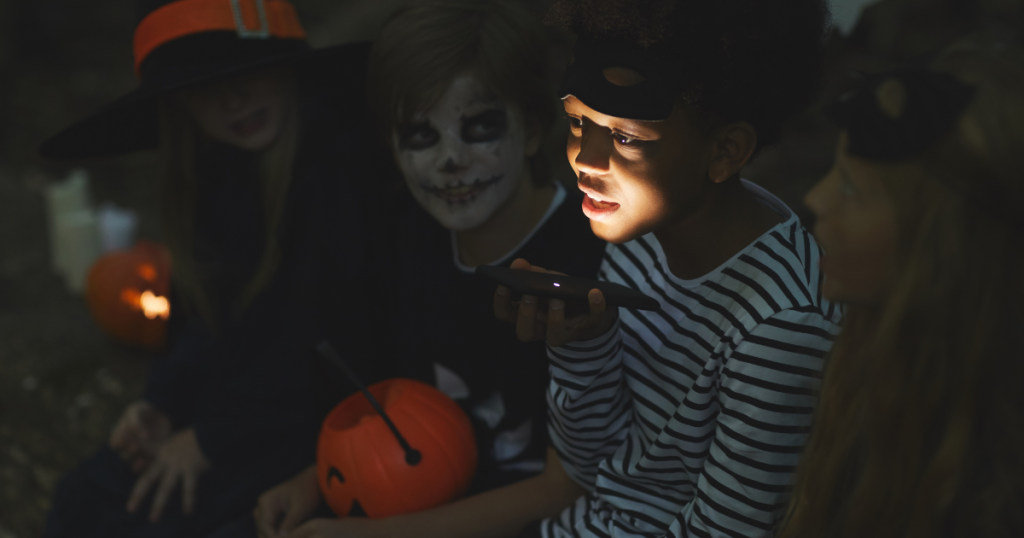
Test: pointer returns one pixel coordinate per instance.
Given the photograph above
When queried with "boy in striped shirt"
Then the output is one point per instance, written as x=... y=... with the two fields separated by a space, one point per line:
x=688 y=420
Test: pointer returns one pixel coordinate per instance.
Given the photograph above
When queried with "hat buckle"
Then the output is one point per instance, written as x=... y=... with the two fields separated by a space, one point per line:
x=263 y=32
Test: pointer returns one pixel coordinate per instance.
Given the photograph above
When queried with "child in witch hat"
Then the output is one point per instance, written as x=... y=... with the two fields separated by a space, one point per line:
x=261 y=146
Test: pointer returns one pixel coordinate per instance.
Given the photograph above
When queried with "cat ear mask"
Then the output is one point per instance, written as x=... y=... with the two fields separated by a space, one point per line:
x=651 y=97
x=897 y=115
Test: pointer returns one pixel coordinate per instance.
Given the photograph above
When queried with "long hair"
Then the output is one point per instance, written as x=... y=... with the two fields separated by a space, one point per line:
x=919 y=431
x=426 y=44
x=178 y=146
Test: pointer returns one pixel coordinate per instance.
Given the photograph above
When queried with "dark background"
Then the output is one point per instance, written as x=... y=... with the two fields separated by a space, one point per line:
x=62 y=382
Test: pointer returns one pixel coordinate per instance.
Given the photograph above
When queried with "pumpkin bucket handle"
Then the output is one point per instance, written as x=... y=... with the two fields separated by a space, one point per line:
x=412 y=456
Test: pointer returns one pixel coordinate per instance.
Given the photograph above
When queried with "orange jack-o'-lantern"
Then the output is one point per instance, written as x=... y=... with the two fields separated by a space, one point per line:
x=361 y=464
x=127 y=294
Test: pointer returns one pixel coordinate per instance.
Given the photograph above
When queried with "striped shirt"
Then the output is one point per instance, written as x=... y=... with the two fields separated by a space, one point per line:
x=688 y=420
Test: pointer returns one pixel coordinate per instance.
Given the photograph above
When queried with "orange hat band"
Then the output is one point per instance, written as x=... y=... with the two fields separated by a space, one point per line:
x=251 y=19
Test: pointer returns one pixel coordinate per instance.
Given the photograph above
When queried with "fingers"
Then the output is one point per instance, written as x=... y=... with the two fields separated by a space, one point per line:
x=163 y=494
x=257 y=516
x=594 y=323
x=520 y=264
x=292 y=518
x=306 y=531
x=265 y=517
x=597 y=308
x=188 y=491
x=555 y=322
x=266 y=521
x=118 y=437
x=528 y=329
x=127 y=449
x=319 y=528
x=143 y=485
x=125 y=435
x=139 y=462
x=503 y=308
x=531 y=315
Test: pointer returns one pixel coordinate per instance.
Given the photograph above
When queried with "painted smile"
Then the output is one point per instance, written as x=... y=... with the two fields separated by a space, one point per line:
x=459 y=192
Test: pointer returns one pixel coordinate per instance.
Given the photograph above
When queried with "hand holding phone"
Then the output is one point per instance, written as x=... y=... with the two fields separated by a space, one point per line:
x=532 y=323
x=559 y=286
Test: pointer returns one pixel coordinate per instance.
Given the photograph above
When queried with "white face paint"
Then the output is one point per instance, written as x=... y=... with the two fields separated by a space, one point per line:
x=464 y=157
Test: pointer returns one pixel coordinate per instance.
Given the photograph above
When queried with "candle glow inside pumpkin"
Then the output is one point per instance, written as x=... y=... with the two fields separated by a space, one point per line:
x=127 y=294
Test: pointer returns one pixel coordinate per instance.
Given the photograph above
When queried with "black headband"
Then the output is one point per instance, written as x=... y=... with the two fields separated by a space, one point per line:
x=649 y=100
x=923 y=107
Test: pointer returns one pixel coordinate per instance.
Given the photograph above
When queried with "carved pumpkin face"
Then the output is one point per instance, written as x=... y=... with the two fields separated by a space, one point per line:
x=360 y=463
x=127 y=294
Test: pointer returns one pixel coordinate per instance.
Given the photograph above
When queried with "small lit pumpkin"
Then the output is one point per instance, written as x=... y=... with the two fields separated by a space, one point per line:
x=362 y=468
x=127 y=294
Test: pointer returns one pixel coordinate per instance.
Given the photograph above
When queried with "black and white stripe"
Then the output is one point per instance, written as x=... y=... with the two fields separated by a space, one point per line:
x=688 y=421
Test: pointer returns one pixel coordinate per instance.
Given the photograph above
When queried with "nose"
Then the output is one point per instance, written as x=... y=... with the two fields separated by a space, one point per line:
x=595 y=151
x=819 y=198
x=453 y=158
x=233 y=97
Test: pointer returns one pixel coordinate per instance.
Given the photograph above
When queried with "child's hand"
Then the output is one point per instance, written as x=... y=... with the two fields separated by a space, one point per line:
x=139 y=433
x=533 y=322
x=281 y=509
x=178 y=460
x=350 y=527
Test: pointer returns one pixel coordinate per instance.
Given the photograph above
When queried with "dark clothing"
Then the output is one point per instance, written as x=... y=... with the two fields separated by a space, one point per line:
x=246 y=388
x=442 y=330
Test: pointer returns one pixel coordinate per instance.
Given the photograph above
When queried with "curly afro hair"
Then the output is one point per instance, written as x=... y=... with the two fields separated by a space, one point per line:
x=757 y=61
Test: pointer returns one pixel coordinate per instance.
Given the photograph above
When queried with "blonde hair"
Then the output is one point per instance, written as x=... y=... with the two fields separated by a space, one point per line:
x=178 y=145
x=920 y=428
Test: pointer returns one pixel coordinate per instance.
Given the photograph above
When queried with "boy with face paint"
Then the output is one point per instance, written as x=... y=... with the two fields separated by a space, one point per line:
x=463 y=159
x=460 y=94
x=465 y=133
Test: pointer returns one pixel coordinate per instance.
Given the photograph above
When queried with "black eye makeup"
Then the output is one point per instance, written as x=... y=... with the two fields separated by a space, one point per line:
x=487 y=126
x=416 y=136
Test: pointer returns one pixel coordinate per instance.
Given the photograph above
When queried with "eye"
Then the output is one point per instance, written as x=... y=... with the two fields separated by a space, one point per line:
x=417 y=136
x=485 y=127
x=575 y=123
x=623 y=139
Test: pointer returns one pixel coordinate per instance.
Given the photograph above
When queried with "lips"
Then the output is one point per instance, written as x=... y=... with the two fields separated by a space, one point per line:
x=595 y=205
x=461 y=192
x=250 y=124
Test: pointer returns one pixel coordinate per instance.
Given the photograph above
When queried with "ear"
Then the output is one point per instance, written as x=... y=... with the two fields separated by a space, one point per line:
x=534 y=136
x=734 y=145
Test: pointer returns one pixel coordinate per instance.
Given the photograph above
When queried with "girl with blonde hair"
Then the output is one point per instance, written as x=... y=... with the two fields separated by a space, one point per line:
x=920 y=427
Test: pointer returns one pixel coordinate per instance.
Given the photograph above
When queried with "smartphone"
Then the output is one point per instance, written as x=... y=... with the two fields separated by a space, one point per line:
x=566 y=287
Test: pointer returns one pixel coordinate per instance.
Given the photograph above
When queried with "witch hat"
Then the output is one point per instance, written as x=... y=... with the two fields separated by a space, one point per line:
x=179 y=43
